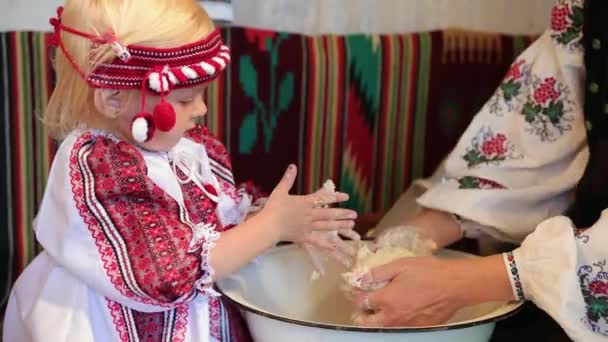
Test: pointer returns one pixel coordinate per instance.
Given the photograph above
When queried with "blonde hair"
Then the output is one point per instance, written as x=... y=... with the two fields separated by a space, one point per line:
x=152 y=23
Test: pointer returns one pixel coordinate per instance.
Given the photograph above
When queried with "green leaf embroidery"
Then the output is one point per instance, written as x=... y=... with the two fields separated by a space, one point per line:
x=554 y=112
x=510 y=89
x=530 y=111
x=570 y=35
x=248 y=133
x=468 y=182
x=598 y=307
x=248 y=77
x=577 y=16
x=473 y=158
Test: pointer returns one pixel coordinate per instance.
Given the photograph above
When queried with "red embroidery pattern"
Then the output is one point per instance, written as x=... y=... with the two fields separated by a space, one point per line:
x=489 y=147
x=222 y=168
x=567 y=19
x=149 y=327
x=123 y=208
x=507 y=97
x=593 y=280
x=238 y=328
x=137 y=227
x=120 y=322
x=200 y=208
x=215 y=318
x=251 y=189
x=514 y=277
x=180 y=323
x=549 y=109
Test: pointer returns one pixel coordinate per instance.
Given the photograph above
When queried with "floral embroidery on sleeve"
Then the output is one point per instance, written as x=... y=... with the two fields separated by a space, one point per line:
x=580 y=235
x=513 y=271
x=507 y=97
x=567 y=19
x=594 y=286
x=548 y=110
x=488 y=147
x=472 y=182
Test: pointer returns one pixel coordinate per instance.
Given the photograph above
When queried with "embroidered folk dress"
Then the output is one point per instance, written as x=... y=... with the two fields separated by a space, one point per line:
x=126 y=235
x=516 y=167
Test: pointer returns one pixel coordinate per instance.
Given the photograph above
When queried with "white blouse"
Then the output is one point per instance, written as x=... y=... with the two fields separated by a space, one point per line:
x=126 y=236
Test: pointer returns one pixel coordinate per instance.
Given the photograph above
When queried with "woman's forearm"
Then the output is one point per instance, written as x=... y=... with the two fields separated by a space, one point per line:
x=436 y=225
x=481 y=280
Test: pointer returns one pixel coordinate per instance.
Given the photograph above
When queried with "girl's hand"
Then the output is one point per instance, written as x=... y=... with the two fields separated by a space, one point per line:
x=294 y=218
x=330 y=242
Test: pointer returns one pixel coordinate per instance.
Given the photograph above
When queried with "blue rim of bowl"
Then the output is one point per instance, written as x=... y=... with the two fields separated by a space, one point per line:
x=374 y=329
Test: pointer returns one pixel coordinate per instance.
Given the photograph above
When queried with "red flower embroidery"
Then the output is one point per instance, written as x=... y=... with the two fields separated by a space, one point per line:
x=108 y=183
x=598 y=287
x=260 y=36
x=559 y=18
x=546 y=91
x=489 y=148
x=515 y=71
x=494 y=146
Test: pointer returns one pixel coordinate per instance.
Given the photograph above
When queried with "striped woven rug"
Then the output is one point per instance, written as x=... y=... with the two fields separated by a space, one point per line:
x=26 y=150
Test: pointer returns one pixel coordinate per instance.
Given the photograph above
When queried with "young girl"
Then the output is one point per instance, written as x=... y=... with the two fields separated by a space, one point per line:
x=141 y=215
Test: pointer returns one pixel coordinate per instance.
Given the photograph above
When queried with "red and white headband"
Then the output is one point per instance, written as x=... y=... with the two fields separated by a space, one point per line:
x=154 y=69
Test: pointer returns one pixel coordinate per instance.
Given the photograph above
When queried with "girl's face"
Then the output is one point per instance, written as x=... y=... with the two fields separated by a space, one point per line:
x=189 y=107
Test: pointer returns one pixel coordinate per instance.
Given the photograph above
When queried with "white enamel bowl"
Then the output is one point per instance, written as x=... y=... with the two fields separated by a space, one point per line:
x=281 y=303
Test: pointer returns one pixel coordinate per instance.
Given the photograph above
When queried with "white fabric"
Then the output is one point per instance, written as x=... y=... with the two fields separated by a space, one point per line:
x=62 y=295
x=197 y=167
x=556 y=267
x=393 y=16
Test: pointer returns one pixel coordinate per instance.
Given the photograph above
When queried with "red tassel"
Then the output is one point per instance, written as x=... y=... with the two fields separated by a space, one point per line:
x=164 y=116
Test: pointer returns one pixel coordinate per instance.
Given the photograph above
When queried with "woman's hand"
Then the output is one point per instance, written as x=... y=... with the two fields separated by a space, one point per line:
x=428 y=290
x=421 y=291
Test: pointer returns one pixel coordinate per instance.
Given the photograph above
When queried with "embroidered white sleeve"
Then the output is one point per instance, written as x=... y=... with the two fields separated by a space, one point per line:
x=565 y=272
x=515 y=166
